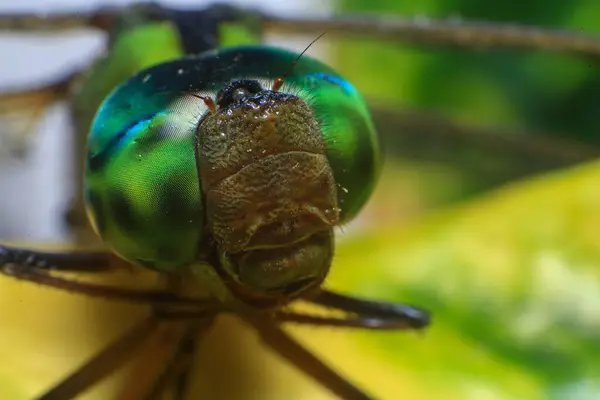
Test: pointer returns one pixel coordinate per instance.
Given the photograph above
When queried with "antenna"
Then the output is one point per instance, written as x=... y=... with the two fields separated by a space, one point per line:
x=279 y=81
x=208 y=101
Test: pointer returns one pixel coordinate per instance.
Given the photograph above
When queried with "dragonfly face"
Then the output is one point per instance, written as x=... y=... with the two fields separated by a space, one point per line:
x=271 y=198
x=201 y=156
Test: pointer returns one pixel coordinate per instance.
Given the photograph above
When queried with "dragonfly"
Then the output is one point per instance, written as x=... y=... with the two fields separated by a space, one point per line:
x=265 y=310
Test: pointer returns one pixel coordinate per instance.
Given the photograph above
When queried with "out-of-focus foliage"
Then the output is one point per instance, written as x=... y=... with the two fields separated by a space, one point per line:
x=518 y=90
x=546 y=92
x=513 y=279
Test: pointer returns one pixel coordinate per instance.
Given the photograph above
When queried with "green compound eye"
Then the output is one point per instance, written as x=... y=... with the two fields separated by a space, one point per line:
x=153 y=200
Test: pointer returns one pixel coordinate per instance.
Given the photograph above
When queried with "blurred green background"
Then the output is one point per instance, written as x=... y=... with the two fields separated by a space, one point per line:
x=509 y=267
x=501 y=244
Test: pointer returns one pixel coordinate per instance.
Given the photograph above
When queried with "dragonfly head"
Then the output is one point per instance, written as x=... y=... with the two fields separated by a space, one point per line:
x=270 y=195
x=259 y=174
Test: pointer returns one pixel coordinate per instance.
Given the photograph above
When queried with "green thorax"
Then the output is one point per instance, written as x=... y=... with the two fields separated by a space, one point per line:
x=142 y=185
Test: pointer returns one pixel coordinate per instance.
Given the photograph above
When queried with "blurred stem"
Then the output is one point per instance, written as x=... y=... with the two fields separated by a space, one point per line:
x=493 y=155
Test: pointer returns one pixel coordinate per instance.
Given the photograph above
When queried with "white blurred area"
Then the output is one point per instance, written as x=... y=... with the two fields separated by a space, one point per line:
x=35 y=191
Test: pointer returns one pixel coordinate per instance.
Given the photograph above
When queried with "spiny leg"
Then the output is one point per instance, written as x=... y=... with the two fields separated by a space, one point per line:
x=64 y=261
x=371 y=323
x=152 y=372
x=288 y=348
x=151 y=363
x=178 y=371
x=34 y=266
x=403 y=315
x=103 y=291
x=385 y=316
x=388 y=317
x=300 y=318
x=36 y=270
x=190 y=349
x=105 y=362
x=183 y=367
x=279 y=341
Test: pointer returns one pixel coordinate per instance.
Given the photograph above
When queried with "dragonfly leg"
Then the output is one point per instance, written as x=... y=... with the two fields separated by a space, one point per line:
x=104 y=363
x=184 y=366
x=372 y=323
x=64 y=261
x=283 y=344
x=31 y=271
x=179 y=369
x=374 y=313
x=144 y=377
x=168 y=357
x=274 y=337
x=189 y=349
